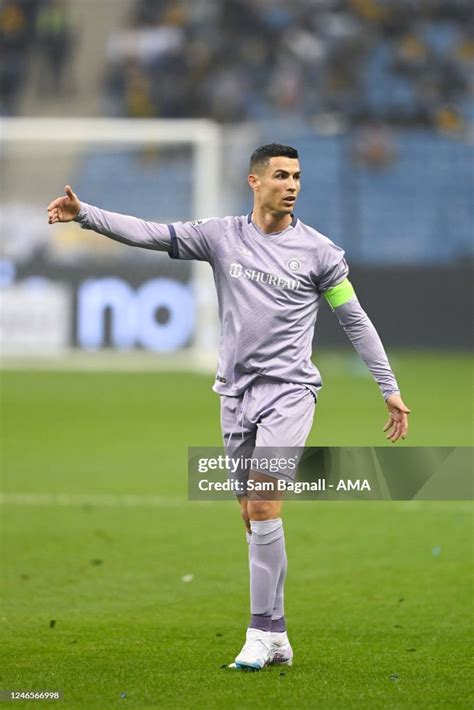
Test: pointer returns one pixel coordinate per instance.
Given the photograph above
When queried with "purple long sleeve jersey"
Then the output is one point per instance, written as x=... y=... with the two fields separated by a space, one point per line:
x=268 y=287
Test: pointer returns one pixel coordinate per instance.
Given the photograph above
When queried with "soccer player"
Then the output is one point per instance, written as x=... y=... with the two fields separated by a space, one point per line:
x=270 y=271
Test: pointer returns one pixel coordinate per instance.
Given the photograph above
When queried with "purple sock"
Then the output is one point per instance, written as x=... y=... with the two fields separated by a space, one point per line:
x=261 y=621
x=278 y=625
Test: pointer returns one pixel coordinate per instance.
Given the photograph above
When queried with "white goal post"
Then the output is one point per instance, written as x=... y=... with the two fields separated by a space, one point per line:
x=203 y=137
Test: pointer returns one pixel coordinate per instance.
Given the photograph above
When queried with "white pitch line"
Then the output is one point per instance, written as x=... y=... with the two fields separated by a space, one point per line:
x=154 y=501
x=109 y=361
x=99 y=500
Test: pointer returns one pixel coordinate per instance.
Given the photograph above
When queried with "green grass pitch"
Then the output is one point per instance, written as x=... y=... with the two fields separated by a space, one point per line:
x=379 y=595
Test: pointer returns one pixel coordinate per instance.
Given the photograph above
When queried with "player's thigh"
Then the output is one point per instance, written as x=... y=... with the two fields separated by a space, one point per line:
x=235 y=426
x=230 y=409
x=238 y=435
x=287 y=419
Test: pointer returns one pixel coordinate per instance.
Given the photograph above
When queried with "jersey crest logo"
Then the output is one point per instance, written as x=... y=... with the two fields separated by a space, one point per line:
x=294 y=265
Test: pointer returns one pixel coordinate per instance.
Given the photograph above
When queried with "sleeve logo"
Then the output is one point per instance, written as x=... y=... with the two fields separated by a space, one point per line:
x=198 y=222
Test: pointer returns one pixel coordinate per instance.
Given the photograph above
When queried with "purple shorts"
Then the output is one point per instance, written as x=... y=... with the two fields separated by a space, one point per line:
x=270 y=420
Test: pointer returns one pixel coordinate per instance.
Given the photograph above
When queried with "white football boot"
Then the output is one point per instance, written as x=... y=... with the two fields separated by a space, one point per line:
x=256 y=651
x=281 y=651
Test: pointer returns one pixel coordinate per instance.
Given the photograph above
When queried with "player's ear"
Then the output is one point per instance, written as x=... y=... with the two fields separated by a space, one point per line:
x=253 y=181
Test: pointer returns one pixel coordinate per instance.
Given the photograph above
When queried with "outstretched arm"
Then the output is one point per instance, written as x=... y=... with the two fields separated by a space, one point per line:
x=368 y=345
x=122 y=228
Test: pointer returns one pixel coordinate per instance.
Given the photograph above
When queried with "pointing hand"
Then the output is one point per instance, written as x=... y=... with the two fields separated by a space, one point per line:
x=64 y=209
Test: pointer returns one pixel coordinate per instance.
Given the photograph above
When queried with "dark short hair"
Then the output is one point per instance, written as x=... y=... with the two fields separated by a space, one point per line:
x=262 y=155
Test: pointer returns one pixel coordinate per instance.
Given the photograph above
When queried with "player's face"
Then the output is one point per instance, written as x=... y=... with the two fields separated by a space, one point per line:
x=277 y=186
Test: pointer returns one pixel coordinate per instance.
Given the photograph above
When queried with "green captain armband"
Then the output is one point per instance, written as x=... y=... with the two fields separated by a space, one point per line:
x=340 y=294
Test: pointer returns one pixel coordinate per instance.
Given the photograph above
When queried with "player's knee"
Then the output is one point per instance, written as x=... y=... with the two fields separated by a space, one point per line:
x=244 y=513
x=262 y=509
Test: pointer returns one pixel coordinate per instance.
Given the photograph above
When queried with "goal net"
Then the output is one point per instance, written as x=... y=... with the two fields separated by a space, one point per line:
x=65 y=291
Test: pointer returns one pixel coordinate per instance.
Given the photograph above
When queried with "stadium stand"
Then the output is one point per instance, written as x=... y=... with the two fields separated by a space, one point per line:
x=39 y=28
x=403 y=62
x=17 y=36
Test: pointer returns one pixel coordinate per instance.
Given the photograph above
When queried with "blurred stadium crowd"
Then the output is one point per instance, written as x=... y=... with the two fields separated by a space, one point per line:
x=407 y=62
x=27 y=25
